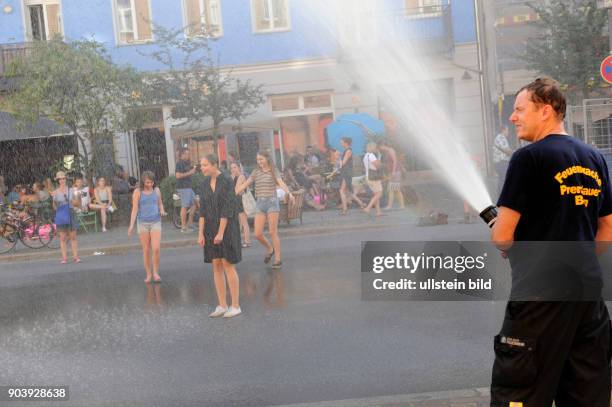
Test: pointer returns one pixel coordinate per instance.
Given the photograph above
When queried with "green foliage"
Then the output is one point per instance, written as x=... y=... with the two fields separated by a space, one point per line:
x=193 y=81
x=167 y=187
x=571 y=45
x=77 y=86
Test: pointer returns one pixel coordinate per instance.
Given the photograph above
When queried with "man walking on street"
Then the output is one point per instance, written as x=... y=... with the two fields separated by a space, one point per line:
x=184 y=171
x=556 y=189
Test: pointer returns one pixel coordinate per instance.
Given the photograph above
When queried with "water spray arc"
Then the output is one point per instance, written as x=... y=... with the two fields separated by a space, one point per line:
x=383 y=57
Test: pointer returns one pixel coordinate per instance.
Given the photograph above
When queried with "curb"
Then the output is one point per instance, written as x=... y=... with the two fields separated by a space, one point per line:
x=477 y=397
x=177 y=243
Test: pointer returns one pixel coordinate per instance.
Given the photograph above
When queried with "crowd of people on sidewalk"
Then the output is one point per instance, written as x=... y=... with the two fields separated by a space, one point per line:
x=226 y=199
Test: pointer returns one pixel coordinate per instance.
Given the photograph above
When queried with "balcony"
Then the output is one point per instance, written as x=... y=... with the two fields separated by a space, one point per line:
x=9 y=52
x=424 y=30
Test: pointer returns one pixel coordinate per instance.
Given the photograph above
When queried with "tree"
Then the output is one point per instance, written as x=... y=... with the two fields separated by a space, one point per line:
x=78 y=86
x=571 y=44
x=193 y=81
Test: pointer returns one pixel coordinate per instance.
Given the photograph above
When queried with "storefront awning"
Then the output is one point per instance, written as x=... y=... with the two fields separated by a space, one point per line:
x=259 y=121
x=11 y=130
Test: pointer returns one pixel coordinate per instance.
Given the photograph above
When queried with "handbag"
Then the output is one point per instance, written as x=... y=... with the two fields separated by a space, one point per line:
x=374 y=175
x=248 y=203
x=62 y=215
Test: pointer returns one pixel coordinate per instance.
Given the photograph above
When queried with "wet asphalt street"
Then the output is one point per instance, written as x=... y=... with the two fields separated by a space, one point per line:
x=305 y=335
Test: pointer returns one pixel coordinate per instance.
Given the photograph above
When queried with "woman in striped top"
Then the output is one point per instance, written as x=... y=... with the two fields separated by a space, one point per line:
x=266 y=178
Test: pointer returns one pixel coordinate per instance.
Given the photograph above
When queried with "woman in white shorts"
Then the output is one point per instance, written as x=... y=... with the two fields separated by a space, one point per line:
x=373 y=171
x=148 y=208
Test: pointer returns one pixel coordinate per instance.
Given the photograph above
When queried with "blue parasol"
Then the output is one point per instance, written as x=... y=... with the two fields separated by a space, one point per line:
x=357 y=126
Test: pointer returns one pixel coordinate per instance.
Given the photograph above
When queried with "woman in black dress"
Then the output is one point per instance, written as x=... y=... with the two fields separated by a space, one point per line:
x=219 y=234
x=346 y=172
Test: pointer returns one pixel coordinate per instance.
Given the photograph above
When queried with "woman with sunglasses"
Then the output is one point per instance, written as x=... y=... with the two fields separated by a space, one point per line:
x=64 y=201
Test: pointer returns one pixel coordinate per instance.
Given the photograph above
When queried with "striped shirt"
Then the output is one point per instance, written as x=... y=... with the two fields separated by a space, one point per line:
x=265 y=185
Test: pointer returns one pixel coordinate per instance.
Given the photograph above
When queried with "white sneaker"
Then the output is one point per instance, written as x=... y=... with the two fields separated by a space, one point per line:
x=218 y=312
x=232 y=312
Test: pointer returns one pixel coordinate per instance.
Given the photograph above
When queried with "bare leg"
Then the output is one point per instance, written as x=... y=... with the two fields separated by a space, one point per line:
x=377 y=197
x=103 y=218
x=391 y=198
x=100 y=208
x=219 y=278
x=273 y=229
x=191 y=213
x=343 y=197
x=359 y=201
x=183 y=218
x=73 y=244
x=233 y=281
x=155 y=247
x=260 y=222
x=145 y=242
x=63 y=237
x=400 y=196
x=244 y=223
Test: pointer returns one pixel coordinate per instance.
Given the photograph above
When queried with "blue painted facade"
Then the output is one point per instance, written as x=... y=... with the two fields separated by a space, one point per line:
x=308 y=37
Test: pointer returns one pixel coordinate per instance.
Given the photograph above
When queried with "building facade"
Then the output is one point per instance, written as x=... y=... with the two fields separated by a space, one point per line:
x=291 y=47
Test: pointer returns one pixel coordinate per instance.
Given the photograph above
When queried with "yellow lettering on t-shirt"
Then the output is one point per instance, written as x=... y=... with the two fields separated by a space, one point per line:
x=581 y=201
x=579 y=191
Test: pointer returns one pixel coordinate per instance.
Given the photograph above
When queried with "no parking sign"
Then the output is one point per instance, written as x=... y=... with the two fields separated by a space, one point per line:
x=606 y=69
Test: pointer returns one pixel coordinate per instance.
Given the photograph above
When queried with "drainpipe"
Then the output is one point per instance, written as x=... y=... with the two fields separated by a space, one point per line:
x=485 y=92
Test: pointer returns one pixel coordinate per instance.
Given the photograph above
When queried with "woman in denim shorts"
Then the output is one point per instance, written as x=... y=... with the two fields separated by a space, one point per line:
x=148 y=208
x=266 y=178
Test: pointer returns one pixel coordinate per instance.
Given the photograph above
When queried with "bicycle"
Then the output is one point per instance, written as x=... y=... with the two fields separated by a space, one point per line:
x=32 y=230
x=176 y=209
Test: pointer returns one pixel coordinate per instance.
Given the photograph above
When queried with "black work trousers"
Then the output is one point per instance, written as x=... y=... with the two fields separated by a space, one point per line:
x=553 y=351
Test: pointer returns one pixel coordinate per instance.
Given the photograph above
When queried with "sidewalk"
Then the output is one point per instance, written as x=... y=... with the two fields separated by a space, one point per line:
x=478 y=397
x=116 y=240
x=432 y=195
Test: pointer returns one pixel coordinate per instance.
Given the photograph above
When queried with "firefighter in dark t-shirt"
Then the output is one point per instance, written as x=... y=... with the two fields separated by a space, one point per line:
x=557 y=189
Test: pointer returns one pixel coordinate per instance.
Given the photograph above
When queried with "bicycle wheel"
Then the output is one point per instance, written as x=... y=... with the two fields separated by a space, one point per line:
x=54 y=240
x=176 y=216
x=8 y=238
x=32 y=234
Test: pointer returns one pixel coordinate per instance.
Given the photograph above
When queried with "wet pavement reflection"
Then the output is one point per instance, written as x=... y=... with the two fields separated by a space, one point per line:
x=304 y=336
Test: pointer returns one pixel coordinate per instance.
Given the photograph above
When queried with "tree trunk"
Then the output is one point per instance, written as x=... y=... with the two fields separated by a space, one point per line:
x=85 y=152
x=216 y=141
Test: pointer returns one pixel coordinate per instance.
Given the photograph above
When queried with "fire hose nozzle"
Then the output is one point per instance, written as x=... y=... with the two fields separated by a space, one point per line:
x=489 y=215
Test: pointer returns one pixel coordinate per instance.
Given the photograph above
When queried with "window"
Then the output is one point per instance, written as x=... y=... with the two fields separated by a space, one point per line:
x=425 y=8
x=317 y=101
x=133 y=21
x=203 y=17
x=43 y=19
x=270 y=15
x=359 y=25
x=282 y=105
